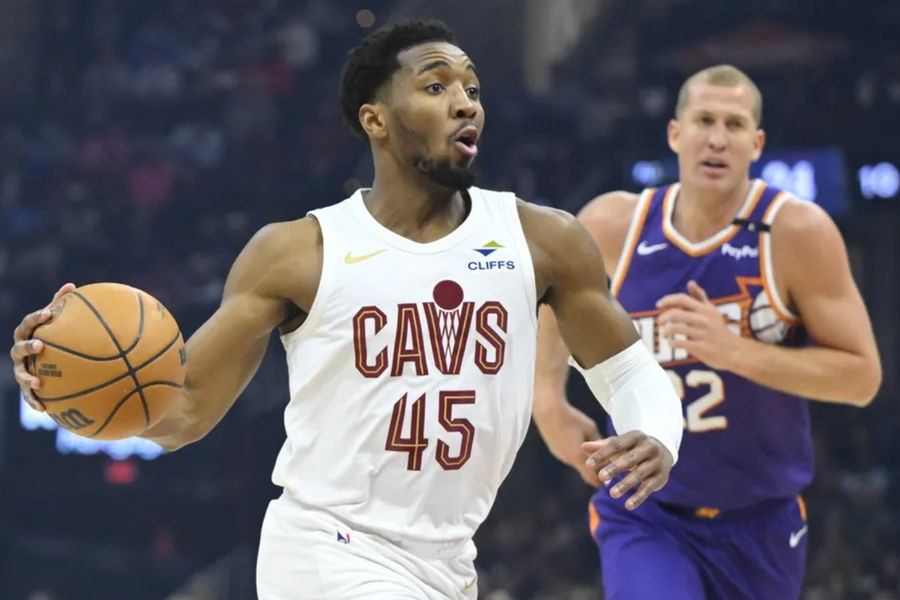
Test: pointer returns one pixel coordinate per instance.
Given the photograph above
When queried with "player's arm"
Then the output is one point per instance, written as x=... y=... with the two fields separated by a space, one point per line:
x=631 y=386
x=562 y=426
x=843 y=366
x=226 y=351
x=810 y=259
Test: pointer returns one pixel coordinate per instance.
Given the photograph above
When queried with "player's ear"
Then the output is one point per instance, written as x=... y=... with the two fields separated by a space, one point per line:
x=373 y=119
x=672 y=131
x=759 y=141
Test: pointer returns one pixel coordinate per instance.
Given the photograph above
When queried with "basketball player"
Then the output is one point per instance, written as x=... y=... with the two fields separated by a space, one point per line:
x=408 y=314
x=744 y=294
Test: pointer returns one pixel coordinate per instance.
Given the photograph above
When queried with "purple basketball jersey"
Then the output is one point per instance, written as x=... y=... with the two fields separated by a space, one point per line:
x=743 y=443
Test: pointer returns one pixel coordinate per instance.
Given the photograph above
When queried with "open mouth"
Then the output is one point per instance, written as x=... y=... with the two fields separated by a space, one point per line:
x=465 y=142
x=714 y=164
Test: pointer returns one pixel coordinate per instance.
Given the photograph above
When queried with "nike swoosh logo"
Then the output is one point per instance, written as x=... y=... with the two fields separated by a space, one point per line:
x=797 y=536
x=643 y=249
x=470 y=584
x=352 y=260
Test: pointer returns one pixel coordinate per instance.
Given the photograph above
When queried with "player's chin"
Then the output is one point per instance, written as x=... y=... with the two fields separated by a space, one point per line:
x=456 y=163
x=463 y=165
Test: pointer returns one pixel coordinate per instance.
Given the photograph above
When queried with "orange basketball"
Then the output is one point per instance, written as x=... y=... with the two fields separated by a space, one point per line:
x=112 y=363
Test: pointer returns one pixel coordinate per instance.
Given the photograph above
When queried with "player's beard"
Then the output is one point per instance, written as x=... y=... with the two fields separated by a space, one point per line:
x=443 y=173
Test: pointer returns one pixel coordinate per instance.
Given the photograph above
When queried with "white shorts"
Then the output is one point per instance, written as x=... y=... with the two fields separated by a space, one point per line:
x=308 y=555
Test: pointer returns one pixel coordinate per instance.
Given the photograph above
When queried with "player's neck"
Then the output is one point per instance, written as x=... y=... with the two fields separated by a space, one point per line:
x=420 y=211
x=699 y=214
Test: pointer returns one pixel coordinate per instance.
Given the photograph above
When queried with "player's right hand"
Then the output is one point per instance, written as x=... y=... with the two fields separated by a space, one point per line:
x=23 y=347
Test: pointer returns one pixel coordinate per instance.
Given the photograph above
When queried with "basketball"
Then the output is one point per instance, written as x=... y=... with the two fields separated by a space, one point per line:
x=112 y=363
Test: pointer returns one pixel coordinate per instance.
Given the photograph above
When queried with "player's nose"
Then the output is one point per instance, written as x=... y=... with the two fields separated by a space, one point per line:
x=717 y=137
x=462 y=106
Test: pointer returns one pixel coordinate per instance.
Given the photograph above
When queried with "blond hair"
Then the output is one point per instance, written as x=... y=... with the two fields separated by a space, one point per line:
x=724 y=75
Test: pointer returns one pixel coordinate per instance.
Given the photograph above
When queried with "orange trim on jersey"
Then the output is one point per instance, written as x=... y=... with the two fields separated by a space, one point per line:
x=672 y=235
x=802 y=506
x=768 y=286
x=744 y=298
x=767 y=217
x=706 y=512
x=743 y=295
x=593 y=519
x=636 y=227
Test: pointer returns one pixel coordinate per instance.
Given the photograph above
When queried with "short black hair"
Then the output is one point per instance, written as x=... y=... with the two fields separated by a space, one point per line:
x=374 y=60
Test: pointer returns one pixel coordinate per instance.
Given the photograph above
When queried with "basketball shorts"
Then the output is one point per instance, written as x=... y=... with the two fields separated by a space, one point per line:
x=306 y=554
x=663 y=551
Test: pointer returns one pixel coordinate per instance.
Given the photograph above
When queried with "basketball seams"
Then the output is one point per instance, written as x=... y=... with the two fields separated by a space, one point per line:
x=103 y=322
x=160 y=353
x=121 y=402
x=120 y=377
x=131 y=370
x=103 y=358
x=87 y=391
x=140 y=332
x=75 y=352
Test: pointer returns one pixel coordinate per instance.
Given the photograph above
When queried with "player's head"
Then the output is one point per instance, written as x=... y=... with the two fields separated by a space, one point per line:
x=410 y=92
x=716 y=130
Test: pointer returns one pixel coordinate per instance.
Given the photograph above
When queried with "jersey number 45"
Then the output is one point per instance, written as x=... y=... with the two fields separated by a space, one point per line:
x=415 y=443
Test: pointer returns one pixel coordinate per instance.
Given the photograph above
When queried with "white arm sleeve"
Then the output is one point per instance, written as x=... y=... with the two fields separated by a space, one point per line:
x=637 y=394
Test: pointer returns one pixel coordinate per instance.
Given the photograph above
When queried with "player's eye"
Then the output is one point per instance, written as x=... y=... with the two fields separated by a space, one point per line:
x=435 y=88
x=473 y=92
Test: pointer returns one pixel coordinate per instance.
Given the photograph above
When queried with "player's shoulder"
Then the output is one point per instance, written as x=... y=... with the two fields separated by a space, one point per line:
x=801 y=225
x=606 y=218
x=277 y=235
x=803 y=236
x=800 y=218
x=539 y=221
x=556 y=237
x=283 y=259
x=616 y=206
x=284 y=242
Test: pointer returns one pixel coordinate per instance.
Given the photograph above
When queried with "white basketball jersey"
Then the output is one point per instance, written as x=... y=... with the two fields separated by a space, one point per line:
x=411 y=378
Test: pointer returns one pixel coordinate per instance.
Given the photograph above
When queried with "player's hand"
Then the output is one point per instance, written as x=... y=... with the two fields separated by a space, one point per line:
x=564 y=428
x=691 y=321
x=646 y=458
x=23 y=347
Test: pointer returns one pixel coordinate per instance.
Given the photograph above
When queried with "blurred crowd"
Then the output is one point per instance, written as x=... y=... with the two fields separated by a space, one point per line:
x=156 y=138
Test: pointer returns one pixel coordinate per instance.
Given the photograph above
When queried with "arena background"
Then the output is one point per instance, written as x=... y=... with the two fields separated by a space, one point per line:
x=144 y=141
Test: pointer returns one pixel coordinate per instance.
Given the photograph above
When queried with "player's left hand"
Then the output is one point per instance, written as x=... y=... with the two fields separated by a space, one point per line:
x=635 y=451
x=564 y=428
x=692 y=322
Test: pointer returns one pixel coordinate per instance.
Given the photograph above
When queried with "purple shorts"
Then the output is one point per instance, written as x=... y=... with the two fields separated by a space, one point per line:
x=677 y=553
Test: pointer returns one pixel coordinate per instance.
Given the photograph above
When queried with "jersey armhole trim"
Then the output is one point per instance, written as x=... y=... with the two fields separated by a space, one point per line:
x=529 y=282
x=631 y=239
x=766 y=266
x=323 y=292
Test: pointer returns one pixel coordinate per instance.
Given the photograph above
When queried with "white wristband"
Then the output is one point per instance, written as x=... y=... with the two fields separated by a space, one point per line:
x=638 y=395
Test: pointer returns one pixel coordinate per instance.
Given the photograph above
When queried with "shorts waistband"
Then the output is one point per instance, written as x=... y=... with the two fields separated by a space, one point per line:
x=710 y=513
x=325 y=520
